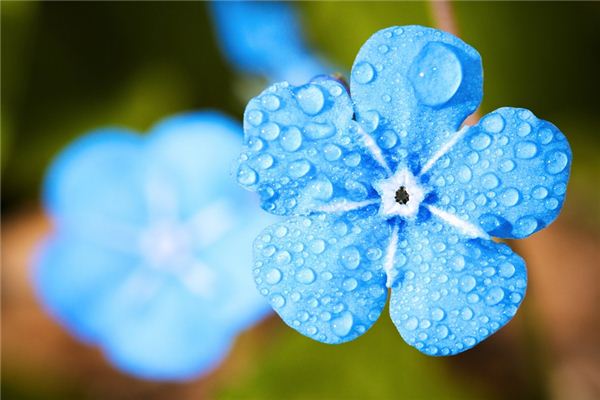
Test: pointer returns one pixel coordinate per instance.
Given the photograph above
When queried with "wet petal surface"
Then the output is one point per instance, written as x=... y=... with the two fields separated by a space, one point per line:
x=323 y=274
x=413 y=87
x=508 y=174
x=452 y=292
x=302 y=150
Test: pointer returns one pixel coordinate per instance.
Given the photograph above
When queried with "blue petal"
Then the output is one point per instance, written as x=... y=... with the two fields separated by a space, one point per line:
x=508 y=174
x=413 y=87
x=169 y=336
x=323 y=274
x=302 y=149
x=265 y=38
x=453 y=292
x=97 y=181
x=72 y=276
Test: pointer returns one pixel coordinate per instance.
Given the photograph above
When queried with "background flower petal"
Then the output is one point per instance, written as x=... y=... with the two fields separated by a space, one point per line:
x=413 y=87
x=96 y=184
x=323 y=274
x=453 y=292
x=302 y=149
x=508 y=174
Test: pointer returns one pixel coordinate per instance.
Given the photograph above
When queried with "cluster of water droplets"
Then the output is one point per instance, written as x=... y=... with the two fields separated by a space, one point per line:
x=303 y=150
x=451 y=293
x=323 y=275
x=507 y=174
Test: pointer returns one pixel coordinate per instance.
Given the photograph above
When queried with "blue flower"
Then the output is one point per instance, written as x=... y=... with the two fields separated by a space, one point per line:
x=264 y=38
x=386 y=190
x=151 y=254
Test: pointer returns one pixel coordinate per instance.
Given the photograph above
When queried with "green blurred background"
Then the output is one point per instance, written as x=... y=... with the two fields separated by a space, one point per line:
x=71 y=67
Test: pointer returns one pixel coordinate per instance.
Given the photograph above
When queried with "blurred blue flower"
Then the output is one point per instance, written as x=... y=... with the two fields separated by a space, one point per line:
x=151 y=254
x=264 y=38
x=385 y=191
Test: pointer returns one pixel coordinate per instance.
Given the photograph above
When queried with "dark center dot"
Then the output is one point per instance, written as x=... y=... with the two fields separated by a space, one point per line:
x=402 y=195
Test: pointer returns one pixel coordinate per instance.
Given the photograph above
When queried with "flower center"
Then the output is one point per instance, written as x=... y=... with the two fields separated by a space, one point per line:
x=402 y=196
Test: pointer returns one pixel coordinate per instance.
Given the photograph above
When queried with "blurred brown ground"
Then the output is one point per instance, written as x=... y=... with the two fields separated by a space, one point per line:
x=560 y=315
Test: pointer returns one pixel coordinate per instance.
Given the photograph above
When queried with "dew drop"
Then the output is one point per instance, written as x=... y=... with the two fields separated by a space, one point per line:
x=363 y=72
x=510 y=197
x=556 y=162
x=526 y=226
x=507 y=270
x=539 y=192
x=466 y=313
x=436 y=74
x=316 y=131
x=525 y=150
x=411 y=324
x=458 y=263
x=524 y=129
x=490 y=181
x=507 y=165
x=270 y=131
x=291 y=140
x=305 y=276
x=283 y=257
x=464 y=174
x=437 y=314
x=273 y=276
x=493 y=123
x=494 y=296
x=350 y=257
x=480 y=141
x=321 y=189
x=246 y=175
x=255 y=117
x=299 y=168
x=442 y=331
x=270 y=102
x=264 y=161
x=342 y=325
x=467 y=283
x=311 y=99
x=332 y=152
x=278 y=301
x=317 y=246
x=349 y=284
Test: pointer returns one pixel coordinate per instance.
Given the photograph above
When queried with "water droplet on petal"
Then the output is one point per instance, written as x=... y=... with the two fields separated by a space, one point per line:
x=311 y=99
x=273 y=276
x=317 y=246
x=411 y=324
x=493 y=123
x=342 y=325
x=510 y=197
x=525 y=226
x=350 y=257
x=464 y=174
x=270 y=102
x=526 y=150
x=467 y=283
x=332 y=152
x=363 y=72
x=291 y=140
x=436 y=74
x=507 y=270
x=507 y=165
x=387 y=140
x=255 y=117
x=350 y=284
x=316 y=131
x=556 y=162
x=305 y=276
x=299 y=168
x=246 y=175
x=278 y=301
x=490 y=181
x=270 y=131
x=264 y=161
x=321 y=189
x=494 y=296
x=480 y=141
x=437 y=314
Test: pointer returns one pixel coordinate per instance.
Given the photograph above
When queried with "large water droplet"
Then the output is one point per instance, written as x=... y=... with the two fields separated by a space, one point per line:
x=255 y=117
x=264 y=161
x=317 y=131
x=299 y=168
x=510 y=197
x=350 y=257
x=494 y=296
x=317 y=246
x=270 y=131
x=246 y=175
x=507 y=270
x=321 y=189
x=278 y=301
x=437 y=314
x=467 y=283
x=490 y=181
x=539 y=192
x=305 y=276
x=291 y=140
x=363 y=72
x=493 y=123
x=332 y=152
x=311 y=99
x=342 y=325
x=556 y=162
x=525 y=226
x=436 y=74
x=273 y=276
x=349 y=284
x=270 y=102
x=526 y=150
x=283 y=257
x=411 y=324
x=387 y=140
x=480 y=141
x=507 y=165
x=464 y=174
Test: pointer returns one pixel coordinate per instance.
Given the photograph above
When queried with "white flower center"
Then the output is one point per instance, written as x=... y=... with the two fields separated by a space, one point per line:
x=401 y=195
